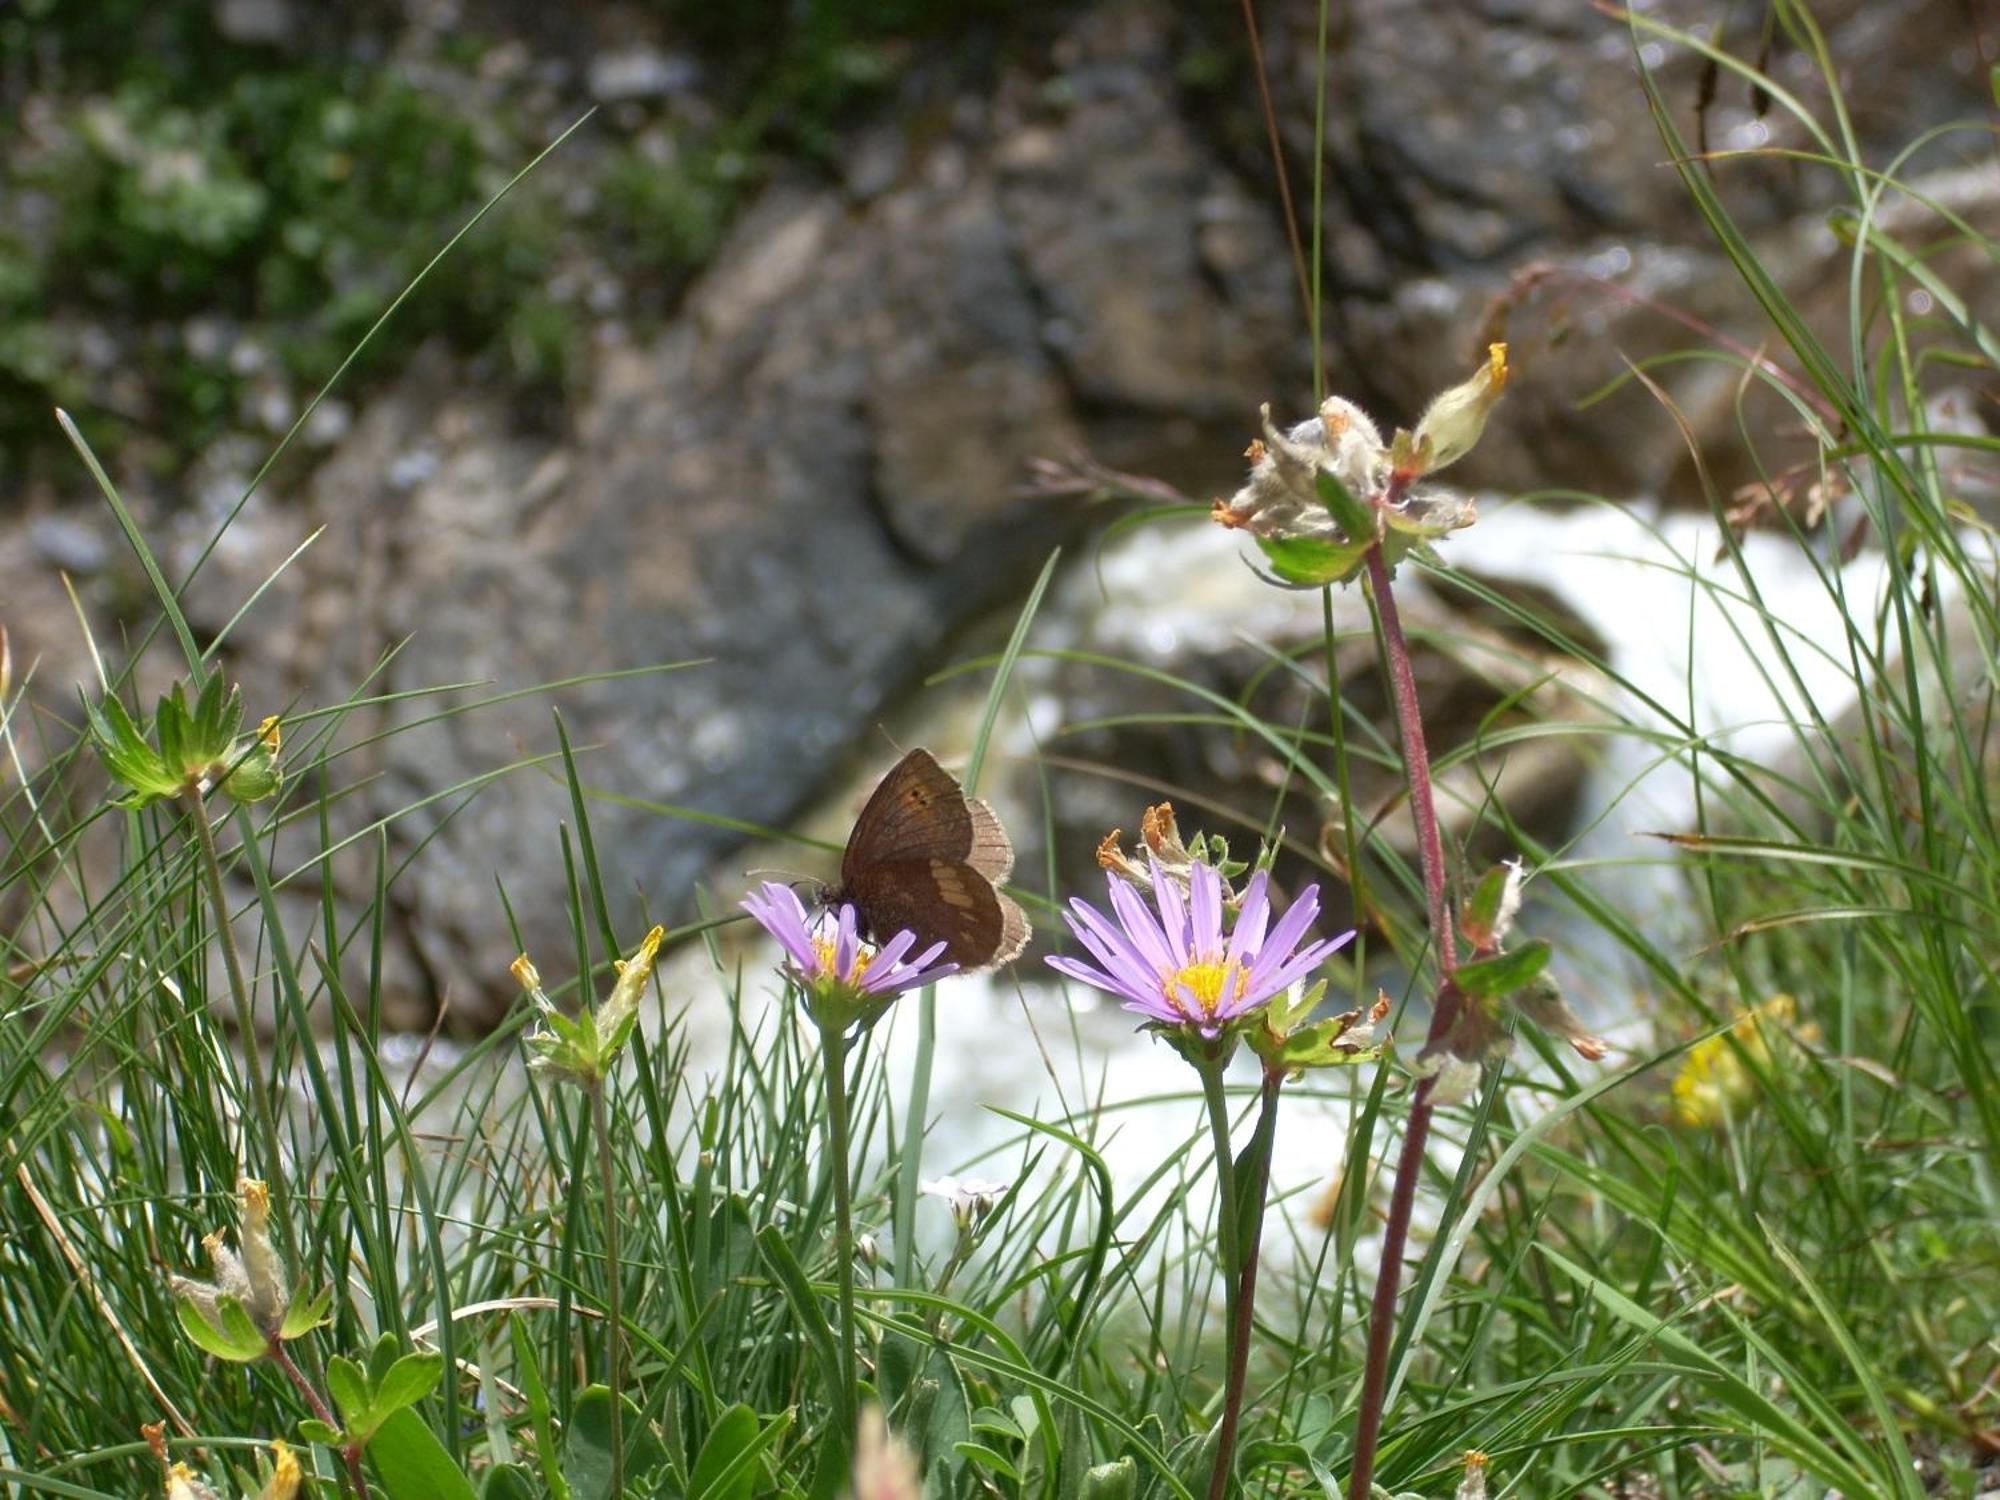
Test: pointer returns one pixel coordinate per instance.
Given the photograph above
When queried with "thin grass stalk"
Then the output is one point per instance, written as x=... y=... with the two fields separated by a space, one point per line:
x=1409 y=1166
x=261 y=1108
x=613 y=1301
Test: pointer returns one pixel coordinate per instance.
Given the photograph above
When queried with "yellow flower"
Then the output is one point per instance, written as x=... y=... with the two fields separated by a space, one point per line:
x=285 y=1476
x=1713 y=1081
x=1454 y=421
x=184 y=1484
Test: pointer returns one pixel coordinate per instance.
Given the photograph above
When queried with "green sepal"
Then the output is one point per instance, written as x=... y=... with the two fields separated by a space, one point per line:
x=1315 y=1046
x=1503 y=973
x=233 y=1337
x=1484 y=919
x=1200 y=1051
x=1283 y=1016
x=256 y=775
x=1429 y=524
x=127 y=756
x=1310 y=562
x=306 y=1314
x=1356 y=520
x=173 y=729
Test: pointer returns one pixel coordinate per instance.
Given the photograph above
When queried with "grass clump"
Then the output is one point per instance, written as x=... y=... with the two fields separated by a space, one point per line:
x=1752 y=1256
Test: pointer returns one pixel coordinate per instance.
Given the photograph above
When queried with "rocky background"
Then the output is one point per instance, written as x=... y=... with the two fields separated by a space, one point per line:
x=754 y=370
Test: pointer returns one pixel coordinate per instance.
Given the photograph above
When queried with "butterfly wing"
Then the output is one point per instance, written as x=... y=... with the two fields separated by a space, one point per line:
x=942 y=900
x=918 y=812
x=925 y=856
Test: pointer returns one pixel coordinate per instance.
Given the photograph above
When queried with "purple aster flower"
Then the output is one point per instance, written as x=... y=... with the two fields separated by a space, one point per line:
x=1180 y=968
x=828 y=954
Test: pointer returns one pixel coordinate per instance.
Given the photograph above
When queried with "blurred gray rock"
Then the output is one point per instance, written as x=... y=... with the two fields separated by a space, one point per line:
x=808 y=481
x=1500 y=158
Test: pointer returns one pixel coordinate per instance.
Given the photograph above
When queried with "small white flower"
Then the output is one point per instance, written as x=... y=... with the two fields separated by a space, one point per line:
x=971 y=1198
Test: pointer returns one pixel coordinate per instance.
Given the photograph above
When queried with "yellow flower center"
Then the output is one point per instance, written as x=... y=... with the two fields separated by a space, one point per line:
x=1208 y=982
x=823 y=950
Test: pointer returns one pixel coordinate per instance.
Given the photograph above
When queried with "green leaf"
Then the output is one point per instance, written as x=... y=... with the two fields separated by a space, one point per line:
x=1503 y=973
x=986 y=1458
x=306 y=1314
x=1312 y=562
x=507 y=1482
x=383 y=1353
x=726 y=1468
x=313 y=1430
x=235 y=1338
x=413 y=1464
x=1353 y=518
x=349 y=1389
x=408 y=1381
x=587 y=1449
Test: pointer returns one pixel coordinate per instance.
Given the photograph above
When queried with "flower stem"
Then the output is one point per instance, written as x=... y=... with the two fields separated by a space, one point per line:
x=350 y=1452
x=1227 y=1251
x=261 y=1108
x=1416 y=760
x=1409 y=1166
x=833 y=1053
x=613 y=1277
x=1243 y=1316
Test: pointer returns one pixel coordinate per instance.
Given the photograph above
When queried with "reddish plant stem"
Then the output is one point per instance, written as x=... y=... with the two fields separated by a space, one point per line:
x=1416 y=761
x=350 y=1453
x=1409 y=1166
x=1245 y=1308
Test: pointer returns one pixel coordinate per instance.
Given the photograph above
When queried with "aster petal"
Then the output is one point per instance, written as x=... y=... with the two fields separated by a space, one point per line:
x=1114 y=948
x=845 y=945
x=1247 y=937
x=916 y=976
x=1284 y=937
x=1154 y=1008
x=891 y=952
x=882 y=981
x=1204 y=909
x=1083 y=973
x=1156 y=946
x=779 y=912
x=1300 y=965
x=1173 y=916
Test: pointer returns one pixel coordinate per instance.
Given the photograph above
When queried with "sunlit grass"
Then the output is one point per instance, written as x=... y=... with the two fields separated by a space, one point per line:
x=1782 y=1281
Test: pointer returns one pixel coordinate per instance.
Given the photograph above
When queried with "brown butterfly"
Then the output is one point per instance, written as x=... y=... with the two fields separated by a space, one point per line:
x=926 y=857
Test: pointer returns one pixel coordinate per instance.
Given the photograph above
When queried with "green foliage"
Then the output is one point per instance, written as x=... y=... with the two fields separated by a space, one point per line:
x=197 y=747
x=216 y=223
x=1796 y=1293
